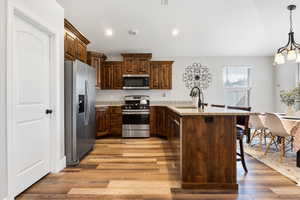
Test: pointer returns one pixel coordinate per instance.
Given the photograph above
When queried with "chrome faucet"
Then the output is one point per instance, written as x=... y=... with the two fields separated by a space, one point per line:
x=196 y=91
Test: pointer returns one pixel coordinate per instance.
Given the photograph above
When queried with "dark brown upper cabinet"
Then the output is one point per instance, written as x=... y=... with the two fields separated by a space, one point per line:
x=137 y=63
x=111 y=75
x=75 y=43
x=96 y=60
x=70 y=51
x=161 y=75
x=117 y=75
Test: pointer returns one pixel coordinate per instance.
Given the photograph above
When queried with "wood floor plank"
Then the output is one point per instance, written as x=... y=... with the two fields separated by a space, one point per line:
x=144 y=169
x=129 y=166
x=122 y=160
x=119 y=191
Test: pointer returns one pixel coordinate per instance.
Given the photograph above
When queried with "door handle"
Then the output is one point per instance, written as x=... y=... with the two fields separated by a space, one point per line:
x=49 y=111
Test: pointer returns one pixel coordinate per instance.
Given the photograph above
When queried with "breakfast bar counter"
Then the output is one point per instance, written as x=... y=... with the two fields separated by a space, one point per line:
x=213 y=111
x=207 y=146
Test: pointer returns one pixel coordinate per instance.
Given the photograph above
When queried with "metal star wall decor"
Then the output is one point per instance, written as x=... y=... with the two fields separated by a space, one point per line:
x=197 y=75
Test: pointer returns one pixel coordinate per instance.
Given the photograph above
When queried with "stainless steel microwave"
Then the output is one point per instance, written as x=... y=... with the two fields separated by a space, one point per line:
x=136 y=82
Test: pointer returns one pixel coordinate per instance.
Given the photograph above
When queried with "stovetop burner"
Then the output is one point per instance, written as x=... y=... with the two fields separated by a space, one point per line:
x=136 y=102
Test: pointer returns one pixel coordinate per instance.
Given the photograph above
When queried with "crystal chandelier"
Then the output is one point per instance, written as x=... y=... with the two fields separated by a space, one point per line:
x=291 y=51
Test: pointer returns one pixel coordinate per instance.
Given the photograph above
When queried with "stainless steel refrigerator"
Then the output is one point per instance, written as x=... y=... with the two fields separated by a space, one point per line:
x=80 y=122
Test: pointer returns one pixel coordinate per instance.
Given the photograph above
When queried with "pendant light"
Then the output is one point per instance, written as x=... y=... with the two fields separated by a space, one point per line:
x=291 y=51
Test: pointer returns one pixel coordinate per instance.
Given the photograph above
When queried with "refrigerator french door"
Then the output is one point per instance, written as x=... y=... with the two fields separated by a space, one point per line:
x=80 y=95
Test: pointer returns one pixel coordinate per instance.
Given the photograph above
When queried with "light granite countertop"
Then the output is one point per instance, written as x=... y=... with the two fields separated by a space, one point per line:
x=100 y=104
x=184 y=108
x=209 y=111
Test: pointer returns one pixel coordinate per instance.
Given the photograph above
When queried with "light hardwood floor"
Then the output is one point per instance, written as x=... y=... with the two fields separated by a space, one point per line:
x=143 y=169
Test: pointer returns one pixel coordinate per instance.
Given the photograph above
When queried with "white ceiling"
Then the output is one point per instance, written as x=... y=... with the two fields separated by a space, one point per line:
x=207 y=27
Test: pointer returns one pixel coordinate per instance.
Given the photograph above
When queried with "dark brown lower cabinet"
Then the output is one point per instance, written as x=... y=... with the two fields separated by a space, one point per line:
x=103 y=121
x=116 y=120
x=109 y=121
x=153 y=127
x=174 y=128
x=161 y=121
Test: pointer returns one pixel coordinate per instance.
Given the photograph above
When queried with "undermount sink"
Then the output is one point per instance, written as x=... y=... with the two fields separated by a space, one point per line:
x=186 y=107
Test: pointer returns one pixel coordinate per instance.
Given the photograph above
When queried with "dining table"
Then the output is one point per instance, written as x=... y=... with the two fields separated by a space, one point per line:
x=292 y=125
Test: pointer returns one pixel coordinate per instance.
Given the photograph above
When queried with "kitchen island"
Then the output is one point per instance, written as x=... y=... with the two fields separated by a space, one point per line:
x=205 y=142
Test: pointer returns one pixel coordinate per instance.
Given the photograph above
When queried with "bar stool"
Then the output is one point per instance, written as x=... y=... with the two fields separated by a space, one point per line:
x=242 y=129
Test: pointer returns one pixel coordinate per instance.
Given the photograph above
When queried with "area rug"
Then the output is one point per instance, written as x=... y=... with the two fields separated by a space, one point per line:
x=287 y=167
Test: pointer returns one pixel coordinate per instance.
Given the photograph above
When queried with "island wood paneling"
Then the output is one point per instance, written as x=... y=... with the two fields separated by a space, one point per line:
x=208 y=152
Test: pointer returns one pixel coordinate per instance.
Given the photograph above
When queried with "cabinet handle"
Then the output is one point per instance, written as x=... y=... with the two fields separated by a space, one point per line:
x=176 y=122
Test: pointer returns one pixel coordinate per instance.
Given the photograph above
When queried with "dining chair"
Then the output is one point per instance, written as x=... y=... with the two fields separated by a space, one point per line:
x=260 y=130
x=274 y=124
x=242 y=125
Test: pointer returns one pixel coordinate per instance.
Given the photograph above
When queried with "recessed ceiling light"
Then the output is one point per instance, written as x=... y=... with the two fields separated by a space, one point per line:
x=175 y=32
x=108 y=32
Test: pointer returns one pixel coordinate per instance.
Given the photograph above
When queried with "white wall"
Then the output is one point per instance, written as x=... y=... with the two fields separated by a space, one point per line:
x=50 y=12
x=3 y=160
x=262 y=94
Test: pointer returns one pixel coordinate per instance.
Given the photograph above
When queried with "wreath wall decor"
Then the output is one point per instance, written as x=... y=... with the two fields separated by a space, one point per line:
x=197 y=75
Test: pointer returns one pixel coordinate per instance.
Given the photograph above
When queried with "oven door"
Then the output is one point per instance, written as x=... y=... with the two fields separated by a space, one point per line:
x=136 y=124
x=136 y=82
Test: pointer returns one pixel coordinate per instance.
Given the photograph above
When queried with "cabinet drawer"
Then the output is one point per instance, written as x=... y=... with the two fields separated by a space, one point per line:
x=116 y=122
x=116 y=119
x=116 y=110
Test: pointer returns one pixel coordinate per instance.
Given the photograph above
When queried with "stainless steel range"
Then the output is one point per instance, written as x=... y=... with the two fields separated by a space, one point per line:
x=136 y=116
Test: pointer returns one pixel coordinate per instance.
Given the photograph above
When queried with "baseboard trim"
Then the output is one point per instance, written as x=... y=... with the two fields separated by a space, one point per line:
x=60 y=165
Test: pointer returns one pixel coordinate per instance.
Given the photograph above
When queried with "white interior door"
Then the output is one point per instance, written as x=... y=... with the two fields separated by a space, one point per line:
x=31 y=94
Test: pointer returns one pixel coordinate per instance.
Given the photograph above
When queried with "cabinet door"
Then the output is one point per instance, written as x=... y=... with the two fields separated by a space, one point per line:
x=154 y=76
x=129 y=66
x=161 y=121
x=102 y=120
x=106 y=76
x=98 y=70
x=117 y=76
x=143 y=66
x=95 y=63
x=116 y=120
x=81 y=52
x=165 y=76
x=153 y=123
x=70 y=46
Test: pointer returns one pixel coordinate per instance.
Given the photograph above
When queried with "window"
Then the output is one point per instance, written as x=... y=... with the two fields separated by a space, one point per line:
x=237 y=85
